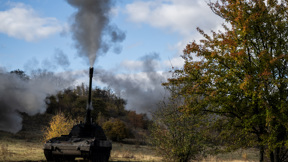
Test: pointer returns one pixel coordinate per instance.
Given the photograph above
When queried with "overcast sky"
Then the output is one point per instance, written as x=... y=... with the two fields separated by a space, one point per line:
x=37 y=34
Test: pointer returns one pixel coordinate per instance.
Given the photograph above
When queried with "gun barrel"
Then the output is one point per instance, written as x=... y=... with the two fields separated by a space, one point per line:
x=90 y=85
x=89 y=104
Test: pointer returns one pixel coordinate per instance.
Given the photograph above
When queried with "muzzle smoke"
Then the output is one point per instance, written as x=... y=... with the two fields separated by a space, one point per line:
x=143 y=91
x=92 y=31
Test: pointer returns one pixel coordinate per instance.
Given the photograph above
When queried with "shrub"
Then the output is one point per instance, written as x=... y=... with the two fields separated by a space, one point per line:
x=177 y=137
x=59 y=125
x=115 y=129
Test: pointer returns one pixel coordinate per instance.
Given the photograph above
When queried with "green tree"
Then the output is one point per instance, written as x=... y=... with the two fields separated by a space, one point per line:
x=242 y=76
x=178 y=137
x=73 y=102
x=67 y=102
x=21 y=74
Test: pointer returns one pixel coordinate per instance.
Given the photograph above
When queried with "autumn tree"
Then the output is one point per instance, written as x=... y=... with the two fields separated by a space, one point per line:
x=178 y=136
x=115 y=129
x=242 y=76
x=137 y=120
x=59 y=125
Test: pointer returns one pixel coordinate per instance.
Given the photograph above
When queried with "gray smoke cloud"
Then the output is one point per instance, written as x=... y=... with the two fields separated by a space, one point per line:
x=20 y=95
x=143 y=91
x=61 y=59
x=58 y=60
x=91 y=29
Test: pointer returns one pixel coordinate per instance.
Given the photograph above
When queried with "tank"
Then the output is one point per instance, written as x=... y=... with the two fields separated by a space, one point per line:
x=86 y=140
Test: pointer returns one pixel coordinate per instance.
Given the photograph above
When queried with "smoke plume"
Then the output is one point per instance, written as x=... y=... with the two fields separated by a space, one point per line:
x=18 y=94
x=58 y=60
x=92 y=32
x=143 y=91
x=61 y=58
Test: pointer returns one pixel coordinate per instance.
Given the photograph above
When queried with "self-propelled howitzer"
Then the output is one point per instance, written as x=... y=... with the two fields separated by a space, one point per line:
x=86 y=140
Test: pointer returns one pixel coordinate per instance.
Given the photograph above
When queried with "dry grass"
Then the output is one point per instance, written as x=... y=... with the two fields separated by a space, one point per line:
x=241 y=155
x=20 y=150
x=27 y=146
x=125 y=152
x=250 y=155
x=13 y=149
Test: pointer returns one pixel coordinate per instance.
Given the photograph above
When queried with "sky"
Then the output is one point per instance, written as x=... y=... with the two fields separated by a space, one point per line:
x=39 y=34
x=33 y=31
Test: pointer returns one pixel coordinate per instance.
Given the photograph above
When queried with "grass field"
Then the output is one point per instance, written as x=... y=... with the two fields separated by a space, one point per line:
x=13 y=149
x=27 y=145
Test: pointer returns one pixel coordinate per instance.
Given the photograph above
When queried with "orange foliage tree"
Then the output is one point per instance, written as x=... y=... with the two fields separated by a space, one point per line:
x=242 y=76
x=137 y=120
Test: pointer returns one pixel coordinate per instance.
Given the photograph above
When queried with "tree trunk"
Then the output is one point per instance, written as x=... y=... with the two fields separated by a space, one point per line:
x=261 y=154
x=277 y=155
x=271 y=156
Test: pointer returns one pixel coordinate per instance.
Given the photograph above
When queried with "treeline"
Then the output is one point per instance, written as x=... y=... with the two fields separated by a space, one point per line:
x=108 y=111
x=68 y=107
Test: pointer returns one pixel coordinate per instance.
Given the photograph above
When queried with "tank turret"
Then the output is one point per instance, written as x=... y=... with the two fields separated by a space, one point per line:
x=85 y=140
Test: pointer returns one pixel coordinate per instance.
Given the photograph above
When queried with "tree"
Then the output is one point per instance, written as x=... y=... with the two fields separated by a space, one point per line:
x=242 y=76
x=59 y=125
x=67 y=102
x=73 y=102
x=137 y=120
x=115 y=129
x=21 y=74
x=177 y=136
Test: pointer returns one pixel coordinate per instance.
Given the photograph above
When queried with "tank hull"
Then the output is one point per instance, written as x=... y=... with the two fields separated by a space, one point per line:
x=67 y=148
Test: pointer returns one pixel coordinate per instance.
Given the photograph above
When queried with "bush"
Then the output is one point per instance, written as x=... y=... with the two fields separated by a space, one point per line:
x=115 y=129
x=59 y=125
x=177 y=137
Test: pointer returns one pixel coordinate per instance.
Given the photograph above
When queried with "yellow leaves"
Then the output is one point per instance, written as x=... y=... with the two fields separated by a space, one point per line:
x=239 y=18
x=245 y=83
x=115 y=129
x=213 y=93
x=213 y=54
x=59 y=125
